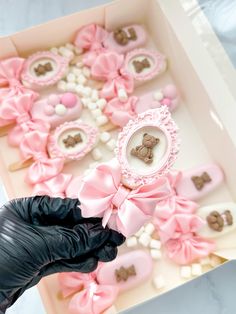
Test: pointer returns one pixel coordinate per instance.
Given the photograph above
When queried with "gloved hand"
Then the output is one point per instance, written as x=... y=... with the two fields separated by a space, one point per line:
x=40 y=236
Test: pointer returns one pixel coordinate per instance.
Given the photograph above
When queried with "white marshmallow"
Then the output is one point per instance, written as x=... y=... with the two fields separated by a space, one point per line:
x=215 y=261
x=131 y=242
x=87 y=91
x=155 y=254
x=138 y=233
x=61 y=86
x=94 y=95
x=92 y=106
x=101 y=120
x=78 y=50
x=111 y=145
x=66 y=52
x=70 y=46
x=102 y=103
x=76 y=71
x=60 y=110
x=155 y=244
x=71 y=87
x=159 y=282
x=205 y=261
x=196 y=269
x=71 y=77
x=54 y=50
x=122 y=95
x=158 y=95
x=96 y=154
x=86 y=72
x=85 y=101
x=149 y=228
x=79 y=89
x=105 y=136
x=81 y=79
x=144 y=239
x=185 y=272
x=96 y=112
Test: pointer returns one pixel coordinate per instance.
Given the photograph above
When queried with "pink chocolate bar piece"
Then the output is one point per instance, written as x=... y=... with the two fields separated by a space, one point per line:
x=110 y=42
x=127 y=270
x=198 y=182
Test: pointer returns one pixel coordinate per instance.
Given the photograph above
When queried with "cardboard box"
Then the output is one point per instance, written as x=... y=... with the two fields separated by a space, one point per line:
x=206 y=115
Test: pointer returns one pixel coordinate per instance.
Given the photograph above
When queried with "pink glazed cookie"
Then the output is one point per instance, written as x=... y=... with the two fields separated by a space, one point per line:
x=126 y=39
x=126 y=271
x=57 y=109
x=43 y=69
x=198 y=182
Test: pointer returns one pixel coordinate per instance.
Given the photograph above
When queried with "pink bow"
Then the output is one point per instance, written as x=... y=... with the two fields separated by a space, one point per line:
x=108 y=66
x=34 y=146
x=54 y=187
x=91 y=37
x=102 y=194
x=119 y=112
x=10 y=71
x=179 y=235
x=90 y=296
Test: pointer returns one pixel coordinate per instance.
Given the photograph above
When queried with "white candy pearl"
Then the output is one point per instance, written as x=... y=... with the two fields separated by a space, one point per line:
x=141 y=230
x=85 y=101
x=66 y=52
x=87 y=91
x=105 y=136
x=101 y=120
x=185 y=272
x=71 y=77
x=102 y=103
x=159 y=282
x=111 y=145
x=70 y=46
x=155 y=244
x=81 y=79
x=54 y=50
x=94 y=95
x=86 y=72
x=149 y=228
x=158 y=95
x=76 y=71
x=122 y=95
x=144 y=239
x=61 y=86
x=71 y=87
x=60 y=110
x=96 y=154
x=92 y=106
x=131 y=242
x=79 y=89
x=196 y=269
x=155 y=254
x=96 y=113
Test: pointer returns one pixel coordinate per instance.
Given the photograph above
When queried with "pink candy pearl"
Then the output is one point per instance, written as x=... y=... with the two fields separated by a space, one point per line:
x=170 y=91
x=53 y=100
x=166 y=101
x=49 y=110
x=69 y=100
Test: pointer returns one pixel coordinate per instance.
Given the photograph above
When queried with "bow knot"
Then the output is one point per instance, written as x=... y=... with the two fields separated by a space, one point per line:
x=120 y=196
x=24 y=117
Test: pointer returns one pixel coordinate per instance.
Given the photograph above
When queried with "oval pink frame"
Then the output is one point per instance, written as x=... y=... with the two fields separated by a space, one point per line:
x=161 y=119
x=55 y=150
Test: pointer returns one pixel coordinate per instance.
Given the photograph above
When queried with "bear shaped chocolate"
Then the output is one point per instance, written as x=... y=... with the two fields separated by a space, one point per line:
x=122 y=38
x=144 y=151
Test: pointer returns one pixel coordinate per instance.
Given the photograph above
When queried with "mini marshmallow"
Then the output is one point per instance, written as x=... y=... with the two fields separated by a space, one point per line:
x=92 y=106
x=122 y=95
x=71 y=87
x=71 y=77
x=111 y=145
x=131 y=242
x=85 y=101
x=70 y=46
x=155 y=244
x=66 y=52
x=159 y=282
x=105 y=137
x=196 y=269
x=155 y=254
x=87 y=91
x=94 y=95
x=76 y=71
x=138 y=233
x=78 y=51
x=96 y=154
x=61 y=86
x=205 y=261
x=185 y=272
x=81 y=79
x=79 y=89
x=144 y=239
x=54 y=50
x=96 y=112
x=158 y=96
x=101 y=120
x=86 y=72
x=149 y=228
x=102 y=103
x=215 y=261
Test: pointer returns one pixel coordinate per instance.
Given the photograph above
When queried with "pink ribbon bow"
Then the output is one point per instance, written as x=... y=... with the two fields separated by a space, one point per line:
x=179 y=235
x=119 y=112
x=91 y=37
x=90 y=297
x=103 y=195
x=10 y=71
x=34 y=146
x=54 y=187
x=108 y=66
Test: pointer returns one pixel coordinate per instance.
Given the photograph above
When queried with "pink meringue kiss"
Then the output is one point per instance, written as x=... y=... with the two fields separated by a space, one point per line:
x=43 y=69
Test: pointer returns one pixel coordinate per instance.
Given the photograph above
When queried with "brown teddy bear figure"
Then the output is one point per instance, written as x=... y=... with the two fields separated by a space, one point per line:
x=144 y=151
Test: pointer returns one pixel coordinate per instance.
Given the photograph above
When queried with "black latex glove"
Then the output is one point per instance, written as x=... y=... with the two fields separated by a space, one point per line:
x=40 y=236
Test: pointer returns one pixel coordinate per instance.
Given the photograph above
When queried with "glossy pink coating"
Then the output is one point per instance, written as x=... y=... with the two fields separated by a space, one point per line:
x=69 y=100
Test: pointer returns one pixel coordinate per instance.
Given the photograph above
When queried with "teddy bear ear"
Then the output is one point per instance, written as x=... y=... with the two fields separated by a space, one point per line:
x=145 y=134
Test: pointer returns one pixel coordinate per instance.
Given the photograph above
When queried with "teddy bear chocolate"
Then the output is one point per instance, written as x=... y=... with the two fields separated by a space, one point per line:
x=42 y=69
x=71 y=141
x=141 y=65
x=123 y=273
x=122 y=38
x=144 y=151
x=216 y=221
